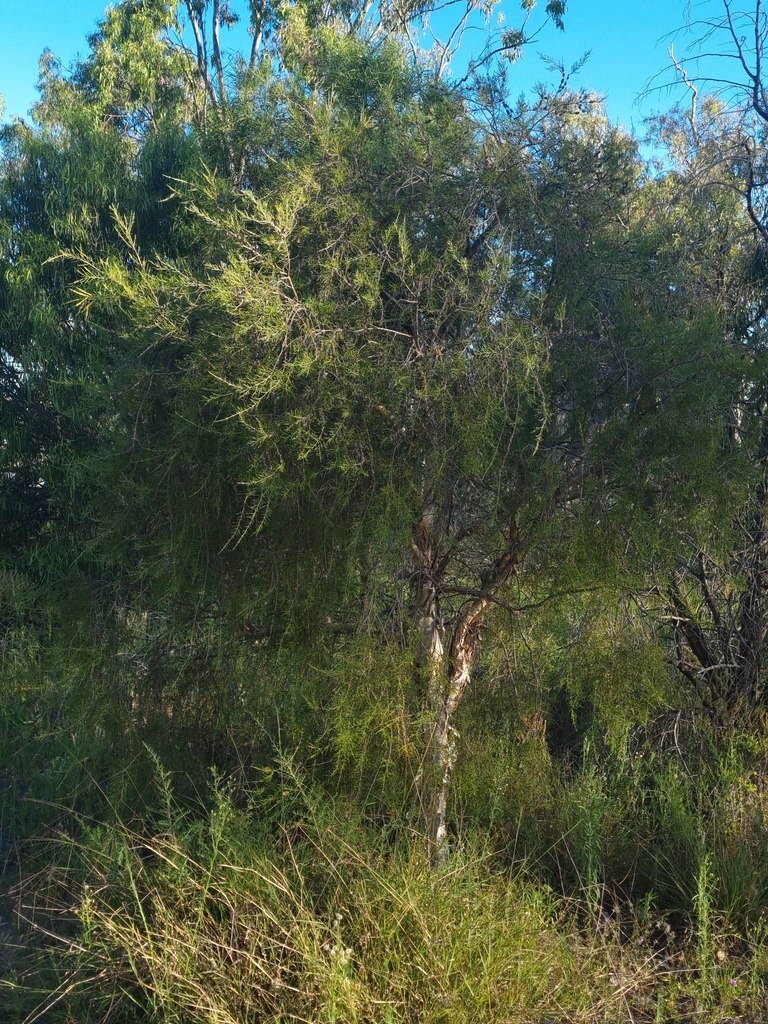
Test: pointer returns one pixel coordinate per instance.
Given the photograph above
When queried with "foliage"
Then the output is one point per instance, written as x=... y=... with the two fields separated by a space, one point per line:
x=398 y=454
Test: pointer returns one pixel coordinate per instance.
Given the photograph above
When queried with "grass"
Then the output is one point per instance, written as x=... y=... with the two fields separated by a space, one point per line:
x=252 y=913
x=130 y=895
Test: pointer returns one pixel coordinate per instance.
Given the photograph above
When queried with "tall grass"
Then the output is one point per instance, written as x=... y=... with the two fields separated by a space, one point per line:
x=631 y=888
x=289 y=907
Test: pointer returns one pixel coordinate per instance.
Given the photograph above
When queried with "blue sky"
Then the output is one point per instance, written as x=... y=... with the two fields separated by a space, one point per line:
x=628 y=42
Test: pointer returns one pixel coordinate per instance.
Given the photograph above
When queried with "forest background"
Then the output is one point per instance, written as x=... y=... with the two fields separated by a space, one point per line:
x=383 y=539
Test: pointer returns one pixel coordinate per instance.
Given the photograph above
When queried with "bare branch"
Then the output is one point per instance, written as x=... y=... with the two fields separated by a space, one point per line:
x=738 y=42
x=694 y=91
x=198 y=29
x=217 y=61
x=690 y=628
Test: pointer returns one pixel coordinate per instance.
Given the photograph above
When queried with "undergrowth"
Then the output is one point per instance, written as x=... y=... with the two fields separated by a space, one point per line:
x=284 y=904
x=627 y=888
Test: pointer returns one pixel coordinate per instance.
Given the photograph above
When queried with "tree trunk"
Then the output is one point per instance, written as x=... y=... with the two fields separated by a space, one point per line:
x=445 y=680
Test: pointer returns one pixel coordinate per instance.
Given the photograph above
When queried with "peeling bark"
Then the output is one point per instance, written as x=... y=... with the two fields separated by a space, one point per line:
x=445 y=679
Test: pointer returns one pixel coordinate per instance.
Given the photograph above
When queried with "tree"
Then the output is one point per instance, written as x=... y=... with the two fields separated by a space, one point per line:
x=392 y=344
x=715 y=599
x=413 y=334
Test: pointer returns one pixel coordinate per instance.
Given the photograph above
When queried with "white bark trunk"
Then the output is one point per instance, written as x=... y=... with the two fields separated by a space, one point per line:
x=446 y=678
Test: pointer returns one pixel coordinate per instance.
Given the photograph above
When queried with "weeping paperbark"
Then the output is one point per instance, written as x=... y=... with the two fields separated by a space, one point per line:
x=445 y=678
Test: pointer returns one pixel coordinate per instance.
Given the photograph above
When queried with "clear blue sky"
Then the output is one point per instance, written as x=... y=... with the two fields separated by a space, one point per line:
x=628 y=40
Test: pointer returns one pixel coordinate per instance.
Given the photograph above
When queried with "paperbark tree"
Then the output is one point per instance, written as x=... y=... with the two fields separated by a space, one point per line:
x=418 y=320
x=418 y=332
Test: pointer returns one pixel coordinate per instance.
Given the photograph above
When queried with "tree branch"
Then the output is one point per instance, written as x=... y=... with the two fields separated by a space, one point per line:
x=198 y=30
x=217 y=62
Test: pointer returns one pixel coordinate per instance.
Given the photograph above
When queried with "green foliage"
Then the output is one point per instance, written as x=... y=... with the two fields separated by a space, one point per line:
x=375 y=708
x=262 y=333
